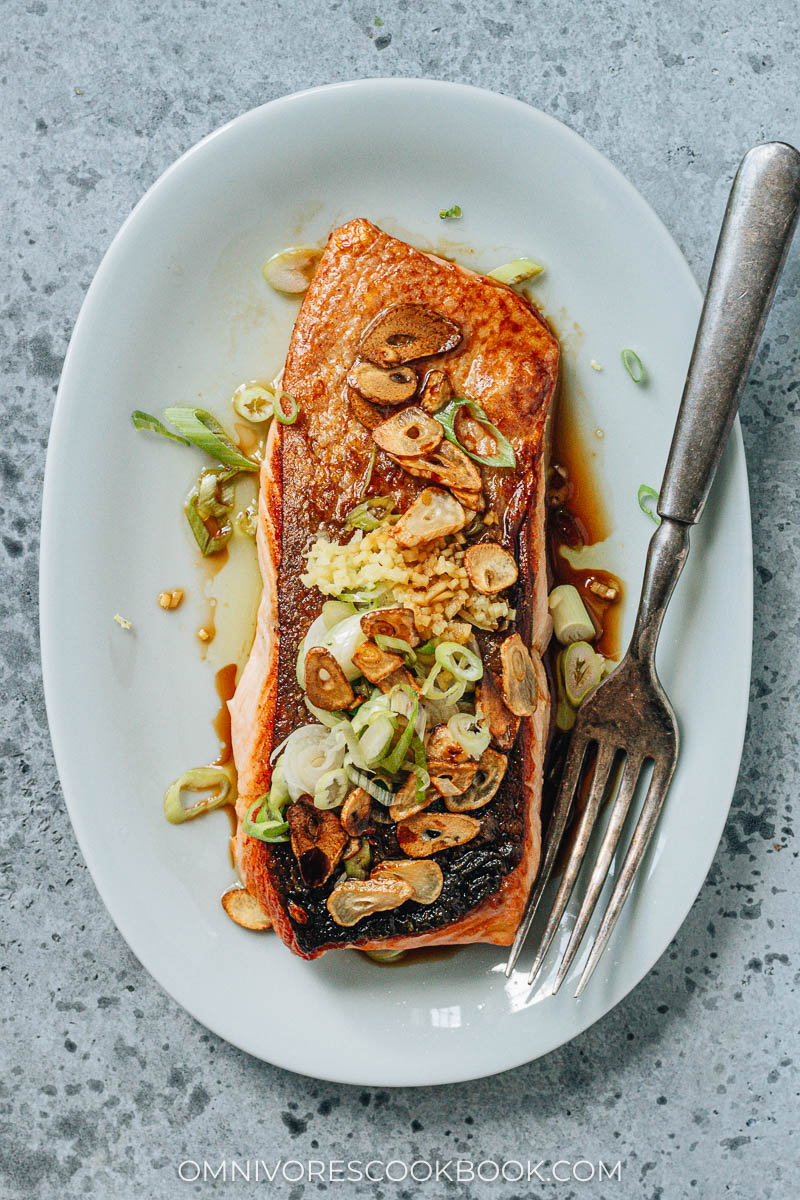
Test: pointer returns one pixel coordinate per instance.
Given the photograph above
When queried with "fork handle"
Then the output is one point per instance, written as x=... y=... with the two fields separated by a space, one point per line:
x=756 y=233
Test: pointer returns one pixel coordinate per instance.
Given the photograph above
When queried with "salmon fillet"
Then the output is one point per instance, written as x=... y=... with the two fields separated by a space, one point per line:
x=313 y=474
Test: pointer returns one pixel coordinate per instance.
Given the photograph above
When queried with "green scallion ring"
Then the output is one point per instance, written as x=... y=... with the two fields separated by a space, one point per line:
x=282 y=417
x=633 y=365
x=462 y=663
x=197 y=779
x=648 y=499
x=266 y=831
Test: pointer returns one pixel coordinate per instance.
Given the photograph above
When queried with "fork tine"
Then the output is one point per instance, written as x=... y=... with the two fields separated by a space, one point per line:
x=662 y=774
x=555 y=832
x=602 y=770
x=619 y=811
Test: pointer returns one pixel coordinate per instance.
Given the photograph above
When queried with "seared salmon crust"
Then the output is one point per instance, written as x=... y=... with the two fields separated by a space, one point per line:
x=312 y=476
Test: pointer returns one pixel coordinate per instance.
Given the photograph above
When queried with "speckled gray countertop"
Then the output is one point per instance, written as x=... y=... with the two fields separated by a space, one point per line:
x=107 y=1086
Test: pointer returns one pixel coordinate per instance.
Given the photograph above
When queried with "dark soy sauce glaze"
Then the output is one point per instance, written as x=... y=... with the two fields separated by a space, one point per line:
x=225 y=682
x=577 y=516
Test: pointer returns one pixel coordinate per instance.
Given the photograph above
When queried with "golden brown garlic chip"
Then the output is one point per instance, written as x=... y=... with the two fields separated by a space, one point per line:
x=491 y=569
x=428 y=833
x=327 y=686
x=451 y=778
x=406 y=803
x=406 y=332
x=401 y=675
x=424 y=876
x=355 y=899
x=244 y=909
x=442 y=746
x=318 y=841
x=503 y=725
x=434 y=514
x=474 y=501
x=355 y=813
x=409 y=433
x=520 y=690
x=370 y=415
x=437 y=390
x=375 y=664
x=391 y=622
x=446 y=465
x=382 y=385
x=488 y=777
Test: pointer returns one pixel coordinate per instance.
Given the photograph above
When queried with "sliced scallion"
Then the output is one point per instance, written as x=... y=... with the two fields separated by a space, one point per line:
x=269 y=830
x=247 y=520
x=205 y=432
x=143 y=420
x=420 y=768
x=376 y=738
x=278 y=792
x=505 y=456
x=648 y=499
x=565 y=713
x=208 y=510
x=398 y=645
x=633 y=365
x=393 y=760
x=371 y=513
x=571 y=621
x=378 y=790
x=291 y=270
x=450 y=214
x=451 y=695
x=254 y=403
x=460 y=661
x=334 y=611
x=331 y=720
x=581 y=669
x=516 y=272
x=331 y=789
x=368 y=477
x=471 y=733
x=281 y=415
x=197 y=779
x=358 y=864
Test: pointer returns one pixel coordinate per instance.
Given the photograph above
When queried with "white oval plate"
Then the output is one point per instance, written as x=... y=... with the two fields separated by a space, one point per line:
x=177 y=311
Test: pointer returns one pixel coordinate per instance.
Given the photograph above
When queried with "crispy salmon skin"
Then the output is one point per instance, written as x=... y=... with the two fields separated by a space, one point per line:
x=314 y=473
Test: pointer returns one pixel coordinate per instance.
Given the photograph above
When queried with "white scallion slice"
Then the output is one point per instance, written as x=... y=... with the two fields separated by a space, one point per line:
x=254 y=402
x=334 y=611
x=471 y=733
x=517 y=271
x=291 y=270
x=581 y=668
x=376 y=739
x=310 y=752
x=331 y=789
x=571 y=621
x=461 y=662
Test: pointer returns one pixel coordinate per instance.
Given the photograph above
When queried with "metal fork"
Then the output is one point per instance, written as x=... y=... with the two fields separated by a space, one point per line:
x=629 y=716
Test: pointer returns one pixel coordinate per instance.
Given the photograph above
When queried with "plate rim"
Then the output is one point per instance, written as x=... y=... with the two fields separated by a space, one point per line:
x=47 y=601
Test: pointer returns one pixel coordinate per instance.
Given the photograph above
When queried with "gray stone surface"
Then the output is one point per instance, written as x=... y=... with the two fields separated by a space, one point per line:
x=106 y=1085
